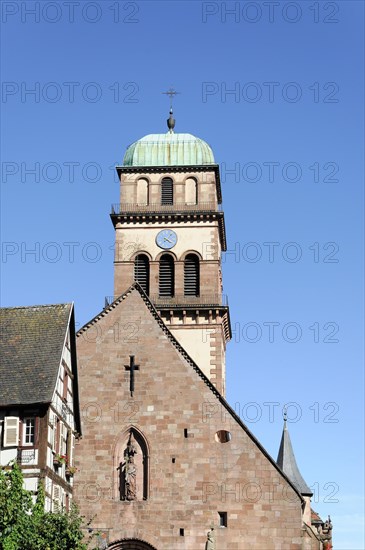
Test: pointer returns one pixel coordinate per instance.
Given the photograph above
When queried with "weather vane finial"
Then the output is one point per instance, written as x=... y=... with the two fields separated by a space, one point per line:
x=171 y=121
x=171 y=93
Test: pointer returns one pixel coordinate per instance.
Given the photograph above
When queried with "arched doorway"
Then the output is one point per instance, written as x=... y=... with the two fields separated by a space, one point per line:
x=131 y=544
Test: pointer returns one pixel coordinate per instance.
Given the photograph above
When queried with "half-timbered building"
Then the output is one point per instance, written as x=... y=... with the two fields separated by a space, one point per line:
x=39 y=404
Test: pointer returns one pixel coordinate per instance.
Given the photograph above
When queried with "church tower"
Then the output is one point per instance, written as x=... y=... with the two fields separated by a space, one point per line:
x=169 y=235
x=164 y=461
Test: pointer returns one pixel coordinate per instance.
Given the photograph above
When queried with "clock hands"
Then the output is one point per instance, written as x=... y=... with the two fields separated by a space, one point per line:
x=166 y=239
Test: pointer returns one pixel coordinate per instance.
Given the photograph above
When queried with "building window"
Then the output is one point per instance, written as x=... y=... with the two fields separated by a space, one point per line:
x=142 y=272
x=222 y=519
x=167 y=276
x=191 y=275
x=191 y=191
x=142 y=192
x=223 y=436
x=29 y=431
x=167 y=191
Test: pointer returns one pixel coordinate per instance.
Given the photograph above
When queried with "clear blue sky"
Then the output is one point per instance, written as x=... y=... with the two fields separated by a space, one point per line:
x=292 y=130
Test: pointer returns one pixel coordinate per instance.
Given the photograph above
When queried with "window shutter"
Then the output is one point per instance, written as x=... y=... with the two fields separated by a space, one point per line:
x=142 y=272
x=65 y=384
x=167 y=191
x=63 y=436
x=11 y=431
x=56 y=497
x=166 y=279
x=54 y=433
x=67 y=502
x=70 y=452
x=191 y=275
x=57 y=435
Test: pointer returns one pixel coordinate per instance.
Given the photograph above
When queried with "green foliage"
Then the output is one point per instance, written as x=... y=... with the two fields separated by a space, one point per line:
x=24 y=525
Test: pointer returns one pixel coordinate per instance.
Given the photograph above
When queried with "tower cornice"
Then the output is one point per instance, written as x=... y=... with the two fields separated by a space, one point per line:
x=125 y=216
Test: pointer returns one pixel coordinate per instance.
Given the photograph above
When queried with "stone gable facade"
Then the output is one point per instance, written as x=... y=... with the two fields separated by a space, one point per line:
x=197 y=466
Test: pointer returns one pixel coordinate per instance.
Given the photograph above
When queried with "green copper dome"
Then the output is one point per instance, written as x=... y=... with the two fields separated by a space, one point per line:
x=168 y=149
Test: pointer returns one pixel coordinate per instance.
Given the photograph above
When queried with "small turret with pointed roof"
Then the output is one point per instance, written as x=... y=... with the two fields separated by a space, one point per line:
x=286 y=461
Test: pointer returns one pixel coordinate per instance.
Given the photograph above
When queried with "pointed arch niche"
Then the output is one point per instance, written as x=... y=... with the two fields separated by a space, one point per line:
x=131 y=466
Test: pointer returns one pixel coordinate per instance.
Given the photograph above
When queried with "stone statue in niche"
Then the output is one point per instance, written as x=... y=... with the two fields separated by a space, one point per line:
x=130 y=469
x=210 y=544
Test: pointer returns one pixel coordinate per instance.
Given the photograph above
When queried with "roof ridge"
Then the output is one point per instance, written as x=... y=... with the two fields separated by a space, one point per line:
x=37 y=306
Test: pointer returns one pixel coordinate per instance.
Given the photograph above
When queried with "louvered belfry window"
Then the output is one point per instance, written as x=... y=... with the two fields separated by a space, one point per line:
x=191 y=275
x=167 y=276
x=167 y=191
x=142 y=272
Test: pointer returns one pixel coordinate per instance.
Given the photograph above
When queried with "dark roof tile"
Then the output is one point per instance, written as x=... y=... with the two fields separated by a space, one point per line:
x=286 y=461
x=31 y=344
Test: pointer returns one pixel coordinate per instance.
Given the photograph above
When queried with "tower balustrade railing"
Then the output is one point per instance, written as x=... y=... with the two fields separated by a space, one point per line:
x=204 y=300
x=121 y=208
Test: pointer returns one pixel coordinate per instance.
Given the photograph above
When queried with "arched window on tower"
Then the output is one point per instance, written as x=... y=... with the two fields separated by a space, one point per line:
x=191 y=275
x=167 y=191
x=142 y=272
x=142 y=192
x=191 y=191
x=167 y=276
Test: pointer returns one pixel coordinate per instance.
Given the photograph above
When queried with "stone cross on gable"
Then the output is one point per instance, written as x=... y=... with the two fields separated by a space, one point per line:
x=131 y=368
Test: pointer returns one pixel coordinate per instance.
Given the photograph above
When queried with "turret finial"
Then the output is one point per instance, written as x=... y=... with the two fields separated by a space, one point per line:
x=285 y=416
x=171 y=122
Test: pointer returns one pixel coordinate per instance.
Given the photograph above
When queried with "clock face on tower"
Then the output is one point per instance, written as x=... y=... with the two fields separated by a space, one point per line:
x=166 y=239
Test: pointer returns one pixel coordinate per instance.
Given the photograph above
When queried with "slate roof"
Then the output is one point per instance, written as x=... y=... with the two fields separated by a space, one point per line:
x=31 y=344
x=286 y=461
